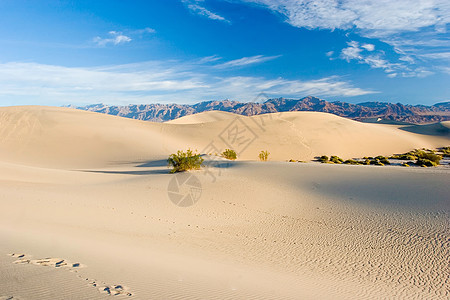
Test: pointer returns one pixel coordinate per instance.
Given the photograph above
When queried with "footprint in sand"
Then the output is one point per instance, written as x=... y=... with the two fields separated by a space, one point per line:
x=47 y=262
x=112 y=290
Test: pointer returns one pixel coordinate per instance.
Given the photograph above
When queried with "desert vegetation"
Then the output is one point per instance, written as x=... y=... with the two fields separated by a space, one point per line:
x=419 y=157
x=296 y=160
x=264 y=155
x=229 y=154
x=422 y=157
x=332 y=160
x=184 y=161
x=445 y=151
x=323 y=159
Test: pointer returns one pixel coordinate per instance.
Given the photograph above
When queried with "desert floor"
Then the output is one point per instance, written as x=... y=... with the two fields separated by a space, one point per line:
x=88 y=209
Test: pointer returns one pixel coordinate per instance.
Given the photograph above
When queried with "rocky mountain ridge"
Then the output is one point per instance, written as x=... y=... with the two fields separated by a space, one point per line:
x=367 y=111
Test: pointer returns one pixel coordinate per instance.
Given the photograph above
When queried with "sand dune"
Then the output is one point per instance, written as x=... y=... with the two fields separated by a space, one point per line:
x=68 y=138
x=204 y=117
x=91 y=189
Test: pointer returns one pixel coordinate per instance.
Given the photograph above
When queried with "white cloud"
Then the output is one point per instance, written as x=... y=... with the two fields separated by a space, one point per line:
x=115 y=38
x=375 y=18
x=145 y=30
x=352 y=52
x=368 y=47
x=407 y=25
x=376 y=60
x=438 y=55
x=445 y=69
x=195 y=7
x=118 y=37
x=208 y=59
x=171 y=81
x=245 y=61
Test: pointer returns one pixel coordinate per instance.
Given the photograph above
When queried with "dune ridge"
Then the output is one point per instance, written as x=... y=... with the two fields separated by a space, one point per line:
x=63 y=137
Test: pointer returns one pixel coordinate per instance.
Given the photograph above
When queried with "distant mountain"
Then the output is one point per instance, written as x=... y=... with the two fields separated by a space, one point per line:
x=367 y=111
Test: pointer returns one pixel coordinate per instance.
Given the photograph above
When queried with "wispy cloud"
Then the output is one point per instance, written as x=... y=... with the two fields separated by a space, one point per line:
x=375 y=18
x=445 y=70
x=245 y=61
x=365 y=54
x=437 y=55
x=115 y=38
x=168 y=81
x=368 y=47
x=118 y=37
x=195 y=7
x=407 y=25
x=143 y=31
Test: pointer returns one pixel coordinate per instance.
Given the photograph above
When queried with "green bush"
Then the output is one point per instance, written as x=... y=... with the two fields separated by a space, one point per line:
x=404 y=156
x=351 y=162
x=263 y=155
x=336 y=159
x=423 y=162
x=229 y=154
x=383 y=159
x=323 y=159
x=445 y=151
x=419 y=154
x=430 y=156
x=376 y=162
x=184 y=161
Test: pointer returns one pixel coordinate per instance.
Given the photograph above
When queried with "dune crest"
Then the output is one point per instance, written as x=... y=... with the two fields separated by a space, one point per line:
x=63 y=137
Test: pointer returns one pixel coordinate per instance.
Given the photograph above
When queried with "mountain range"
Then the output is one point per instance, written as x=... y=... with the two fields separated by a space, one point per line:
x=366 y=112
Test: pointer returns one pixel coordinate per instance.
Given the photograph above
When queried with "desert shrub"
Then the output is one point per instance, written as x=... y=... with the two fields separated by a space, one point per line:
x=445 y=151
x=292 y=160
x=229 y=154
x=263 y=155
x=376 y=162
x=366 y=162
x=427 y=150
x=382 y=159
x=431 y=156
x=336 y=159
x=419 y=154
x=423 y=156
x=351 y=162
x=323 y=159
x=423 y=162
x=184 y=161
x=404 y=156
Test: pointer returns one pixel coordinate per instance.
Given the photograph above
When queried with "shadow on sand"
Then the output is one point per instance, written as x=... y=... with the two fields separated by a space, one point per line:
x=436 y=129
x=160 y=167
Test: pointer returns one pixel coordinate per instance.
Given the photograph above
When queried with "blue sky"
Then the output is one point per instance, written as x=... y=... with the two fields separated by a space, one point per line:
x=186 y=51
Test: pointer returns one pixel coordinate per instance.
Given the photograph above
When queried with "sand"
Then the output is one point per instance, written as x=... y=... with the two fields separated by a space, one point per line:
x=93 y=190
